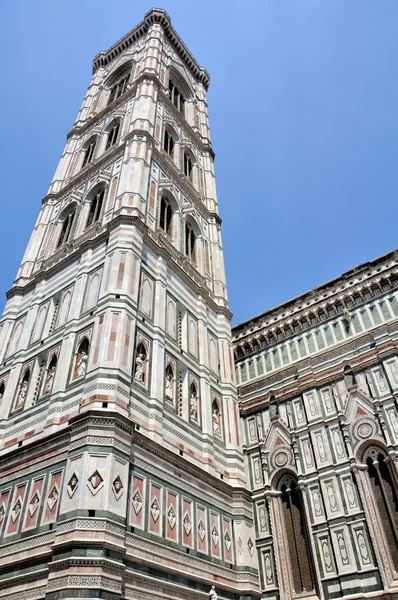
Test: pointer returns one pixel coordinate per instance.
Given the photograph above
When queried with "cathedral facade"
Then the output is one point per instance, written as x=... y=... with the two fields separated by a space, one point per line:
x=148 y=452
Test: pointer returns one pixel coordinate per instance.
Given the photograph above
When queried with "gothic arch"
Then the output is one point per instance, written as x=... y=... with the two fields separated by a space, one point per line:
x=65 y=225
x=93 y=206
x=181 y=82
x=383 y=480
x=296 y=538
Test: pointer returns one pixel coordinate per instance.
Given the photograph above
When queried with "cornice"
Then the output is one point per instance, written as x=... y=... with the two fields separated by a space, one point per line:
x=87 y=172
x=170 y=457
x=337 y=291
x=156 y=15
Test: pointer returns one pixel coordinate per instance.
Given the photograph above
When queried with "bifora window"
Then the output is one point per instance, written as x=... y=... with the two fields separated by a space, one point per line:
x=166 y=215
x=66 y=229
x=190 y=242
x=112 y=136
x=95 y=208
x=119 y=87
x=168 y=143
x=187 y=166
x=176 y=97
x=89 y=153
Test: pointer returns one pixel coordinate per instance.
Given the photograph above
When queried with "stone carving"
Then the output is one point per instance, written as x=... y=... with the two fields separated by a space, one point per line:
x=240 y=545
x=117 y=487
x=250 y=546
x=380 y=380
x=16 y=510
x=137 y=502
x=252 y=429
x=212 y=593
x=316 y=499
x=299 y=412
x=216 y=420
x=187 y=523
x=311 y=404
x=259 y=426
x=365 y=430
x=168 y=388
x=81 y=365
x=201 y=530
x=281 y=458
x=363 y=547
x=2 y=512
x=394 y=371
x=262 y=517
x=215 y=536
x=327 y=556
x=172 y=517
x=95 y=482
x=321 y=447
x=49 y=380
x=350 y=493
x=227 y=541
x=257 y=470
x=140 y=365
x=331 y=496
x=343 y=548
x=22 y=394
x=53 y=497
x=268 y=569
x=307 y=453
x=34 y=504
x=338 y=445
x=72 y=485
x=394 y=421
x=327 y=400
x=155 y=510
x=193 y=405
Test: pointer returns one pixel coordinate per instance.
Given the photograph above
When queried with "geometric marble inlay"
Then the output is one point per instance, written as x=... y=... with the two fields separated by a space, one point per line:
x=95 y=482
x=187 y=523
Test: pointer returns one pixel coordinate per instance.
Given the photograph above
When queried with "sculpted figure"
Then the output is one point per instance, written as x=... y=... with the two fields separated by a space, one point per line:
x=213 y=594
x=193 y=406
x=168 y=388
x=216 y=422
x=140 y=368
x=22 y=394
x=49 y=380
x=82 y=364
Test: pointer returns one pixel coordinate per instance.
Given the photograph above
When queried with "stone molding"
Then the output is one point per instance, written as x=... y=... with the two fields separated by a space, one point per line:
x=87 y=524
x=156 y=15
x=31 y=542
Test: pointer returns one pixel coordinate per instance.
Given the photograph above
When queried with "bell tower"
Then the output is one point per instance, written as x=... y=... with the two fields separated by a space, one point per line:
x=120 y=448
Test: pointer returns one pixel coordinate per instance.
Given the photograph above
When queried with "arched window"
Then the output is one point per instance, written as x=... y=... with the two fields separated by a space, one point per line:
x=168 y=143
x=188 y=165
x=113 y=135
x=119 y=86
x=190 y=242
x=89 y=152
x=166 y=216
x=385 y=492
x=176 y=97
x=66 y=229
x=95 y=207
x=297 y=535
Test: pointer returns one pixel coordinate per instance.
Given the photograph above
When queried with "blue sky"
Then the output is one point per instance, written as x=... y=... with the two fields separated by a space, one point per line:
x=304 y=117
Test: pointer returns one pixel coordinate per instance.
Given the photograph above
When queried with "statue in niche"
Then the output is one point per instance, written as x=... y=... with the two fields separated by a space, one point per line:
x=49 y=380
x=82 y=363
x=22 y=393
x=193 y=403
x=273 y=409
x=212 y=594
x=168 y=384
x=216 y=420
x=140 y=364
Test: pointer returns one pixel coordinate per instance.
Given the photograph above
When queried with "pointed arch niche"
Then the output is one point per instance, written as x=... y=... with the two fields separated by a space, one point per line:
x=291 y=528
x=379 y=483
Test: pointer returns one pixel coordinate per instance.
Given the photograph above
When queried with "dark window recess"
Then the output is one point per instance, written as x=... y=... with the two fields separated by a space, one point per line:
x=187 y=166
x=119 y=88
x=95 y=208
x=89 y=153
x=166 y=215
x=66 y=229
x=297 y=539
x=168 y=143
x=176 y=97
x=91 y=513
x=112 y=136
x=387 y=501
x=190 y=242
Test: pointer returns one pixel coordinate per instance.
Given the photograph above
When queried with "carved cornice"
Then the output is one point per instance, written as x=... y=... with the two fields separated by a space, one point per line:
x=161 y=17
x=319 y=299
